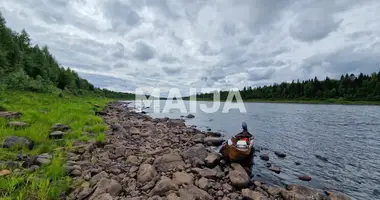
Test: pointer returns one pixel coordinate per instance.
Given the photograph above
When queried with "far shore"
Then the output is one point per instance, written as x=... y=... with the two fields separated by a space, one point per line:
x=327 y=102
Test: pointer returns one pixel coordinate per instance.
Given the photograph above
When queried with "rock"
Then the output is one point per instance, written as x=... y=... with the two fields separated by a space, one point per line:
x=146 y=173
x=202 y=183
x=252 y=195
x=206 y=172
x=238 y=176
x=76 y=172
x=213 y=159
x=176 y=123
x=192 y=192
x=213 y=141
x=337 y=196
x=104 y=196
x=16 y=141
x=183 y=178
x=17 y=125
x=44 y=159
x=4 y=172
x=105 y=185
x=10 y=115
x=279 y=154
x=60 y=127
x=304 y=178
x=168 y=162
x=213 y=134
x=299 y=192
x=96 y=178
x=173 y=196
x=163 y=186
x=321 y=158
x=275 y=169
x=198 y=138
x=264 y=157
x=56 y=135
x=197 y=151
x=133 y=160
x=190 y=116
x=297 y=163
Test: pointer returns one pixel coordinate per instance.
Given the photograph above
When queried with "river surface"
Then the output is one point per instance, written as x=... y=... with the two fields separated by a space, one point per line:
x=347 y=135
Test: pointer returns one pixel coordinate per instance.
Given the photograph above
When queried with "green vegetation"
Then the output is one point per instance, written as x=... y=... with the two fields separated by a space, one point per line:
x=33 y=83
x=349 y=89
x=41 y=111
x=28 y=67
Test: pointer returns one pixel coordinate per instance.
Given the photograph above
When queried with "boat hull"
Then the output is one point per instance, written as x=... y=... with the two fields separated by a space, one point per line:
x=234 y=154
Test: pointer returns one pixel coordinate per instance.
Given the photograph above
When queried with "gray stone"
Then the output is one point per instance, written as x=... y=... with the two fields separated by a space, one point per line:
x=16 y=141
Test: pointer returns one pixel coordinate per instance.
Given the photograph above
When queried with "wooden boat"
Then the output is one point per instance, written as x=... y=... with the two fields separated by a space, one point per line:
x=233 y=153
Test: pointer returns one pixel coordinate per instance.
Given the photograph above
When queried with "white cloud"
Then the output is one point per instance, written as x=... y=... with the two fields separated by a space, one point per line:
x=125 y=44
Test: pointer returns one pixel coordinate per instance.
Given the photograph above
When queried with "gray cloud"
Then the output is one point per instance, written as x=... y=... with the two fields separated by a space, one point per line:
x=144 y=52
x=125 y=44
x=311 y=27
x=172 y=70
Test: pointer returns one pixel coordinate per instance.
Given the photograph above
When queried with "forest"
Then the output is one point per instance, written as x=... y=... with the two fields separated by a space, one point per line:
x=351 y=87
x=27 y=67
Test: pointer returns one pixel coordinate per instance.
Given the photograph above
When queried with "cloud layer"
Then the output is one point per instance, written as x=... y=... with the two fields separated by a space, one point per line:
x=127 y=44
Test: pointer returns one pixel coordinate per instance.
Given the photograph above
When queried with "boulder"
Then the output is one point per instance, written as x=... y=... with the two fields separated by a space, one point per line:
x=56 y=135
x=60 y=127
x=197 y=151
x=300 y=192
x=173 y=196
x=190 y=116
x=16 y=141
x=4 y=172
x=206 y=172
x=279 y=154
x=105 y=185
x=252 y=195
x=202 y=183
x=183 y=178
x=213 y=141
x=176 y=123
x=321 y=158
x=337 y=196
x=168 y=162
x=44 y=159
x=213 y=134
x=238 y=176
x=163 y=186
x=304 y=178
x=199 y=138
x=213 y=159
x=17 y=125
x=146 y=173
x=192 y=192
x=264 y=157
x=275 y=169
x=10 y=115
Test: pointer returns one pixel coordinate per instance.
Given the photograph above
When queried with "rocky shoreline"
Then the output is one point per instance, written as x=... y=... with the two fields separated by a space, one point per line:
x=145 y=158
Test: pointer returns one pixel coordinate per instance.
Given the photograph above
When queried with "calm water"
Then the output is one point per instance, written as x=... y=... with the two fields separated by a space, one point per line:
x=348 y=136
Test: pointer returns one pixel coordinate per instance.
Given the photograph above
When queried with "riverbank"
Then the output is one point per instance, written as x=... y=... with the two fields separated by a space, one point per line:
x=323 y=102
x=36 y=131
x=146 y=158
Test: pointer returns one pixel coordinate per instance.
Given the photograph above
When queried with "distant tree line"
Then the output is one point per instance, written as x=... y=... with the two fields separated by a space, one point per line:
x=348 y=87
x=28 y=67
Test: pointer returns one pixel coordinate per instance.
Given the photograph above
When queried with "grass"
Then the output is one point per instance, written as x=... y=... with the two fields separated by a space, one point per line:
x=41 y=111
x=327 y=101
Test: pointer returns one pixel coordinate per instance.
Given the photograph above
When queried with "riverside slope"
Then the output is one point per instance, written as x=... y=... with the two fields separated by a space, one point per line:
x=145 y=158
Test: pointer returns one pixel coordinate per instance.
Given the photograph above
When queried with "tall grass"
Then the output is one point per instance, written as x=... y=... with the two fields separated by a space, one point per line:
x=41 y=111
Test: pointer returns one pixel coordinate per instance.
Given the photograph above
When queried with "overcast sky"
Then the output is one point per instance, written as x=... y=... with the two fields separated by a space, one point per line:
x=126 y=44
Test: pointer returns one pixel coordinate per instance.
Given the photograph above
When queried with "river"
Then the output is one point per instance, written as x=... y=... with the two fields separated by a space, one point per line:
x=347 y=135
